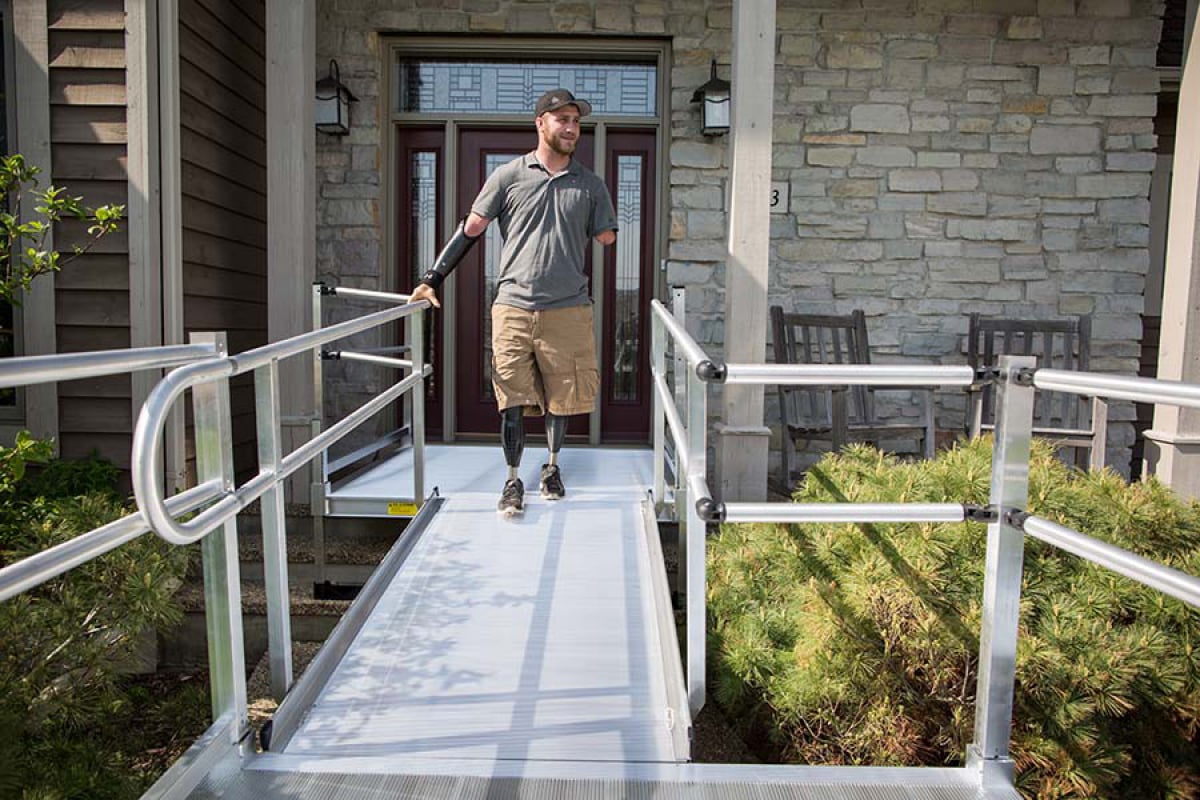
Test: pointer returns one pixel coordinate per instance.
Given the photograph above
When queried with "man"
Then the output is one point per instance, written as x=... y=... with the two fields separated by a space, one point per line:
x=549 y=207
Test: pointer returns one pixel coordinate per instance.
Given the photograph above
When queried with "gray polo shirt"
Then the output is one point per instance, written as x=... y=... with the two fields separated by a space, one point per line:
x=546 y=223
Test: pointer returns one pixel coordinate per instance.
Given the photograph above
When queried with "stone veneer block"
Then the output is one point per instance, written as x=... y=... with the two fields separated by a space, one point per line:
x=697 y=155
x=1131 y=162
x=880 y=118
x=1025 y=28
x=992 y=230
x=1114 y=185
x=843 y=55
x=1056 y=80
x=830 y=156
x=885 y=156
x=1124 y=106
x=1104 y=8
x=1067 y=139
x=964 y=204
x=1090 y=55
x=1056 y=8
x=914 y=180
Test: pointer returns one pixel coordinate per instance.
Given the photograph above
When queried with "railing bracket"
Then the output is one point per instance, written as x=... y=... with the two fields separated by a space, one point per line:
x=331 y=355
x=977 y=513
x=1023 y=376
x=710 y=510
x=987 y=374
x=1016 y=518
x=326 y=290
x=711 y=371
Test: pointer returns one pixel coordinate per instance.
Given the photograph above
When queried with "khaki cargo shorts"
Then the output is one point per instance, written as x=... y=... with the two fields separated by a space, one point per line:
x=544 y=360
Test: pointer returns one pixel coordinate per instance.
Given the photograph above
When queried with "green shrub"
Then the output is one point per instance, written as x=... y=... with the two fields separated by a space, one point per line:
x=858 y=644
x=65 y=645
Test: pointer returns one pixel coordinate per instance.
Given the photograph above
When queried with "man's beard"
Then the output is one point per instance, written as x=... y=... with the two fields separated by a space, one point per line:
x=560 y=145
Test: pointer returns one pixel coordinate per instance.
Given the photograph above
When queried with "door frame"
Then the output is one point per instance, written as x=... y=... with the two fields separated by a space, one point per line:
x=567 y=48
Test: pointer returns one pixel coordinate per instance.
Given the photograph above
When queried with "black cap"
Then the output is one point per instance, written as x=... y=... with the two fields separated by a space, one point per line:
x=556 y=99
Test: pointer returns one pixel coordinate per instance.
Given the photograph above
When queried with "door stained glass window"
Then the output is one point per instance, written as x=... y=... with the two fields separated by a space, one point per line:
x=468 y=86
x=627 y=288
x=424 y=242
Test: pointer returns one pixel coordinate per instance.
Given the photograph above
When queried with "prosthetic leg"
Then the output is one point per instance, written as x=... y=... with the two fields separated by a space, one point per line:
x=551 y=483
x=512 y=438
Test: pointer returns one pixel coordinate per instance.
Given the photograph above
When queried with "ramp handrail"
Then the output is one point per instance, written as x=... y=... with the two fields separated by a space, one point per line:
x=149 y=430
x=204 y=367
x=28 y=370
x=1017 y=377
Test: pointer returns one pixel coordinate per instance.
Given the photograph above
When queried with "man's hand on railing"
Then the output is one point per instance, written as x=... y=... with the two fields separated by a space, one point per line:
x=423 y=291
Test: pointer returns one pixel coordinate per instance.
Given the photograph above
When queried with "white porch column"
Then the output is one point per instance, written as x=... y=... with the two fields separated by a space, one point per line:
x=145 y=201
x=742 y=440
x=1173 y=446
x=32 y=139
x=291 y=203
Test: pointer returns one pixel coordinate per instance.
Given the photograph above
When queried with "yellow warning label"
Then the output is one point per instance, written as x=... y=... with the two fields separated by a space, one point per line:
x=402 y=509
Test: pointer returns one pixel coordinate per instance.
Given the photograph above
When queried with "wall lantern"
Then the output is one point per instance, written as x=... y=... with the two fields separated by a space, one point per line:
x=333 y=103
x=715 y=99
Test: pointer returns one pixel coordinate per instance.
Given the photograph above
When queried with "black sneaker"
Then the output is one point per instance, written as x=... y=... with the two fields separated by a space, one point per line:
x=552 y=485
x=512 y=499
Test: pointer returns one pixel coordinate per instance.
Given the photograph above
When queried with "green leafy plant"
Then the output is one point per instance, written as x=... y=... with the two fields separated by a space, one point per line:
x=858 y=644
x=66 y=645
x=23 y=254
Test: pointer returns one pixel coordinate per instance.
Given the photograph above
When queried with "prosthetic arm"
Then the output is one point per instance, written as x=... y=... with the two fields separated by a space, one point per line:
x=458 y=246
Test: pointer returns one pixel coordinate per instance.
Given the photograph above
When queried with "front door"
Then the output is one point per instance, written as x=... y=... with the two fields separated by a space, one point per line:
x=622 y=292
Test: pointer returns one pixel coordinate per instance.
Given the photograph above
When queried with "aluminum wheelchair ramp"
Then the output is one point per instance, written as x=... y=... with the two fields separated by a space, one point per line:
x=529 y=658
x=533 y=638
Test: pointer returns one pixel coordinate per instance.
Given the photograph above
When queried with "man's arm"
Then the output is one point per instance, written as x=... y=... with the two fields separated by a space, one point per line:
x=464 y=238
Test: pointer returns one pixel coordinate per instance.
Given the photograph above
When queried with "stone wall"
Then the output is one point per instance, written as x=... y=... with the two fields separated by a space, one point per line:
x=944 y=156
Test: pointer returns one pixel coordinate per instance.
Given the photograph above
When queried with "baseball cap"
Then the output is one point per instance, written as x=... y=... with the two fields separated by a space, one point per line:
x=556 y=99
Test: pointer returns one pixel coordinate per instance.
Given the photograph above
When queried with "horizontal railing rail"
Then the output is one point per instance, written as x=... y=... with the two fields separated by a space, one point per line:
x=1016 y=378
x=1118 y=387
x=54 y=561
x=31 y=370
x=894 y=375
x=844 y=512
x=1167 y=580
x=364 y=294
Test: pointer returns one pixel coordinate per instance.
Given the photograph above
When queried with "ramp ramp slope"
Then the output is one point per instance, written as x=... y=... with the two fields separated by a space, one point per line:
x=531 y=638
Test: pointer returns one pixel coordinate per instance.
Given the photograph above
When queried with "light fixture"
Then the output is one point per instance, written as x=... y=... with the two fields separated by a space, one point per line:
x=333 y=103
x=714 y=98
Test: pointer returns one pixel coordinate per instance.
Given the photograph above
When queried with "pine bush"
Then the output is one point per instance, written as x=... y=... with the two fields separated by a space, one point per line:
x=858 y=644
x=65 y=644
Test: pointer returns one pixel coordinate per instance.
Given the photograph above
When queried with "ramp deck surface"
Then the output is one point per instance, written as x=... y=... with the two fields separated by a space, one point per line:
x=531 y=638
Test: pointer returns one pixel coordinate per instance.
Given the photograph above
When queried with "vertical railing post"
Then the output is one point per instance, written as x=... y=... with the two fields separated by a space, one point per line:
x=679 y=311
x=219 y=549
x=415 y=336
x=319 y=469
x=989 y=753
x=658 y=368
x=274 y=529
x=697 y=439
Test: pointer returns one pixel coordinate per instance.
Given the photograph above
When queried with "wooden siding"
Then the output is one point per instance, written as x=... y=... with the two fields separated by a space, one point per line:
x=222 y=103
x=88 y=157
